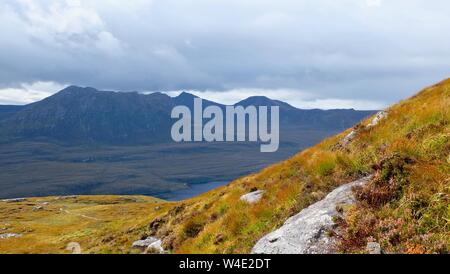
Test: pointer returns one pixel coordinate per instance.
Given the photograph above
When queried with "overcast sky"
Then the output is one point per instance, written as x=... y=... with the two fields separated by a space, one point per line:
x=363 y=54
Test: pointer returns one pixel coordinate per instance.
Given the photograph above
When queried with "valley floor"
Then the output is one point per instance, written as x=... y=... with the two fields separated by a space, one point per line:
x=100 y=224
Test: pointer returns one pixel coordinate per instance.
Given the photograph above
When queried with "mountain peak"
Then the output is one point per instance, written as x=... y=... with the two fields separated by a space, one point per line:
x=186 y=95
x=158 y=95
x=185 y=98
x=263 y=101
x=77 y=90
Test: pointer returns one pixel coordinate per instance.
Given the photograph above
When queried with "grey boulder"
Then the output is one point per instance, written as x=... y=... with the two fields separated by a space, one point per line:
x=150 y=244
x=374 y=248
x=252 y=197
x=306 y=232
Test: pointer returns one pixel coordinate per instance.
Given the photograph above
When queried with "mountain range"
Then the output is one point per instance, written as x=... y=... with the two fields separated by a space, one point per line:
x=78 y=115
x=86 y=141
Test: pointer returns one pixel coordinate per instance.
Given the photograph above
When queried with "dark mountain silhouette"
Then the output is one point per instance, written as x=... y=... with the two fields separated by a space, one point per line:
x=85 y=115
x=80 y=115
x=265 y=101
x=335 y=119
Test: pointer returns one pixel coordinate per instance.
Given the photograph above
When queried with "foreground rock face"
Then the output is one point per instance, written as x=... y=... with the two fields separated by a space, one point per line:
x=306 y=232
x=252 y=197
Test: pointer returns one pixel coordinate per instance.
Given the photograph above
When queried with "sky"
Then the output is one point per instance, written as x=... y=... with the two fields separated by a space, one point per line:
x=362 y=54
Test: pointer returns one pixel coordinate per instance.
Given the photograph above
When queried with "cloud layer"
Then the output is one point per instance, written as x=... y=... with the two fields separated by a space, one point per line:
x=360 y=53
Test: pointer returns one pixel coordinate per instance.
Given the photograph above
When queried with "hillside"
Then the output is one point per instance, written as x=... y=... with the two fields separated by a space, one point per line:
x=404 y=207
x=8 y=110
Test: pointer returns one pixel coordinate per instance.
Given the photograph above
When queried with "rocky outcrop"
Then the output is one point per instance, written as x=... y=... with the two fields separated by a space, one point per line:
x=378 y=118
x=306 y=232
x=347 y=139
x=252 y=197
x=352 y=135
x=149 y=245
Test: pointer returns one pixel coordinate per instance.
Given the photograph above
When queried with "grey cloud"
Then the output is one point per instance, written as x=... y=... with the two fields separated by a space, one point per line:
x=349 y=49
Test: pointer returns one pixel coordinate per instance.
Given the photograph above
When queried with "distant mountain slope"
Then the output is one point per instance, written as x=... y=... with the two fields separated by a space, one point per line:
x=9 y=110
x=85 y=115
x=337 y=119
x=80 y=115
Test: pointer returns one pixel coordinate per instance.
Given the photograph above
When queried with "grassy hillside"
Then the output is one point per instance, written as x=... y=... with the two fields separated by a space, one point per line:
x=100 y=224
x=416 y=135
x=405 y=207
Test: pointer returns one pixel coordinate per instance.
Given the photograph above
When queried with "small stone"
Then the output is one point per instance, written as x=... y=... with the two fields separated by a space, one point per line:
x=373 y=248
x=252 y=197
x=10 y=235
x=144 y=244
x=74 y=247
x=38 y=208
x=155 y=248
x=16 y=200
